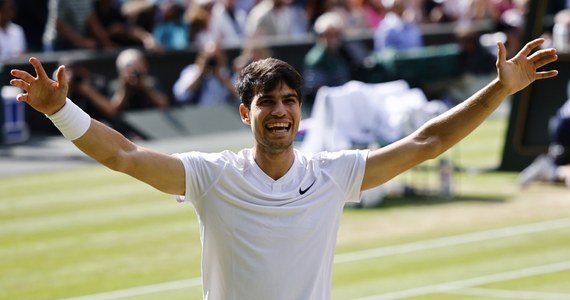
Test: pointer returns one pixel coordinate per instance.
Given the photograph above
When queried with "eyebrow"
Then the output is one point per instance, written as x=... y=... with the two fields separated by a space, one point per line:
x=289 y=95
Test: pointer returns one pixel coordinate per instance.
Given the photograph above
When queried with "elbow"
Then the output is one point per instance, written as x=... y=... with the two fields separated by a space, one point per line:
x=431 y=145
x=114 y=163
x=119 y=162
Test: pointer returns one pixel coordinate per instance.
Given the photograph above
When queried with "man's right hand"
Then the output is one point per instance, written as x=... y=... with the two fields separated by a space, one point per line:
x=41 y=93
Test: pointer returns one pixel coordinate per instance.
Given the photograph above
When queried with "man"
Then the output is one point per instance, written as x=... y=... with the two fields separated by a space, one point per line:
x=553 y=166
x=207 y=81
x=326 y=64
x=269 y=215
x=12 y=37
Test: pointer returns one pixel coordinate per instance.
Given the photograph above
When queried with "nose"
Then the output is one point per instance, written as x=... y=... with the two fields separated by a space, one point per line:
x=279 y=109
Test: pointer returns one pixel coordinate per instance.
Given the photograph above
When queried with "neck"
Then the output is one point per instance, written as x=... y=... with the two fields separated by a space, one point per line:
x=275 y=165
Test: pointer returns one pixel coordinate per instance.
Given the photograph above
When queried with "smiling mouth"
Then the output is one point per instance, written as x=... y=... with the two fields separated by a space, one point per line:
x=278 y=127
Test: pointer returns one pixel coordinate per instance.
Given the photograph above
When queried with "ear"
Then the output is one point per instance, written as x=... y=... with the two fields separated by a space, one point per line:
x=244 y=114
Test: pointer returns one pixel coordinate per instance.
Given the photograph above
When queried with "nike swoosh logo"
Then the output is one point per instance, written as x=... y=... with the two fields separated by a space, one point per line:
x=302 y=191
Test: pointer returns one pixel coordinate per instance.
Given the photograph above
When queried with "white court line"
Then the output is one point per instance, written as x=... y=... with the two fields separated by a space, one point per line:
x=470 y=282
x=510 y=294
x=453 y=240
x=143 y=290
x=357 y=255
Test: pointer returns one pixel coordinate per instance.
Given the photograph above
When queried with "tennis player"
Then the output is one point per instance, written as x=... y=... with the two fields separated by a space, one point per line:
x=269 y=215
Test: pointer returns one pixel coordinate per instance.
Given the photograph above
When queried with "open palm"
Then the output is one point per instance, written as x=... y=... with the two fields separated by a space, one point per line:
x=41 y=92
x=521 y=70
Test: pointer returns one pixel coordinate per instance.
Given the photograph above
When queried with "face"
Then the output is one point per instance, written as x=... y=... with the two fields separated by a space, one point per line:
x=274 y=119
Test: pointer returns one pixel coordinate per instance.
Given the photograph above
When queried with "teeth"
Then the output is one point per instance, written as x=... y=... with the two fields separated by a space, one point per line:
x=277 y=125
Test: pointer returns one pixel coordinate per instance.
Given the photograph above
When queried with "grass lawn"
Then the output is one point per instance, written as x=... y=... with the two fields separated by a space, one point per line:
x=89 y=231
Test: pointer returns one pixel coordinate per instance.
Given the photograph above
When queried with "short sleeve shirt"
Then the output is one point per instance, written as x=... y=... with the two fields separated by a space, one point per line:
x=270 y=239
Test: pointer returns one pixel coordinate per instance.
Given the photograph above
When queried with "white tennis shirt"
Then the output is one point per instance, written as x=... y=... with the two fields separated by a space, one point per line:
x=264 y=238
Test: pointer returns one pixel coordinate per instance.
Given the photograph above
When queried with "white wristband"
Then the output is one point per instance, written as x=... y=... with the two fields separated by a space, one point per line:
x=71 y=120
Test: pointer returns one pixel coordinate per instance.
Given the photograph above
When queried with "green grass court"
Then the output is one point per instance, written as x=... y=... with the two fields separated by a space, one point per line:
x=90 y=233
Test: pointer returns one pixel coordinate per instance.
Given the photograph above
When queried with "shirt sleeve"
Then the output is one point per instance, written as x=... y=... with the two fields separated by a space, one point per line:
x=347 y=168
x=201 y=172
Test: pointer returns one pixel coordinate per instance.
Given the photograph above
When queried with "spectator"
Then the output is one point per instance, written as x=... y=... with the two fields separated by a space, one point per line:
x=374 y=12
x=246 y=5
x=172 y=32
x=553 y=166
x=207 y=81
x=199 y=17
x=12 y=37
x=135 y=88
x=276 y=18
x=228 y=22
x=474 y=59
x=354 y=19
x=399 y=29
x=88 y=91
x=326 y=64
x=117 y=28
x=251 y=51
x=561 y=31
x=141 y=14
x=32 y=16
x=72 y=24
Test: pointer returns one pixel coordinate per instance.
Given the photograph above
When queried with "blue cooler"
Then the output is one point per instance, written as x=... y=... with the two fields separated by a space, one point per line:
x=14 y=128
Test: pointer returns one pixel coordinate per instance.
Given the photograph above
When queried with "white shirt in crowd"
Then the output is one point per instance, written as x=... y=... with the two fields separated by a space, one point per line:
x=12 y=41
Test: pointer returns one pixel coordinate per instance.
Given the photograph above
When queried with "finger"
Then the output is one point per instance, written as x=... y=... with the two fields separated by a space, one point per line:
x=543 y=61
x=22 y=75
x=38 y=67
x=22 y=97
x=540 y=53
x=546 y=74
x=501 y=54
x=20 y=84
x=61 y=77
x=525 y=51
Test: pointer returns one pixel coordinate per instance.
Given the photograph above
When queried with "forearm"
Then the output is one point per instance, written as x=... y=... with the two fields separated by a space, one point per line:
x=105 y=145
x=452 y=126
x=71 y=35
x=157 y=98
x=99 y=32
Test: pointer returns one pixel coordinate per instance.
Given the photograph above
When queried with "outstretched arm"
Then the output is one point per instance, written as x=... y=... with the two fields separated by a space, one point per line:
x=444 y=131
x=100 y=142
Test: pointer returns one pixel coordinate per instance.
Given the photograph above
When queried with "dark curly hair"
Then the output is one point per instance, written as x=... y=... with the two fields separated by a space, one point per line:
x=263 y=76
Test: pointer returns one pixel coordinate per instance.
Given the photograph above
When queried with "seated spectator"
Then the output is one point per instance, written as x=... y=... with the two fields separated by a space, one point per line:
x=474 y=58
x=12 y=38
x=32 y=16
x=117 y=28
x=228 y=22
x=276 y=18
x=199 y=17
x=398 y=30
x=325 y=64
x=135 y=88
x=553 y=166
x=172 y=32
x=251 y=51
x=72 y=24
x=207 y=81
x=354 y=18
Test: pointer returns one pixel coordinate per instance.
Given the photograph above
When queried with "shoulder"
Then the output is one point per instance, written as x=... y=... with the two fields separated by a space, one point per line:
x=220 y=159
x=325 y=158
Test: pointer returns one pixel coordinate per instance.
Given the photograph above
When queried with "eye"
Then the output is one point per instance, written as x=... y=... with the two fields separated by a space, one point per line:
x=291 y=101
x=264 y=102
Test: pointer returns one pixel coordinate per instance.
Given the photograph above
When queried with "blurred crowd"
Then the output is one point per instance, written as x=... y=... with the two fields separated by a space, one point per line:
x=53 y=25
x=136 y=27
